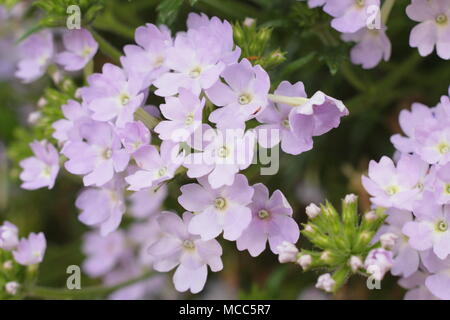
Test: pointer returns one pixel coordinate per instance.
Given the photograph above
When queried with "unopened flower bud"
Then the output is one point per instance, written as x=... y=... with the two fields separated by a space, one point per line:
x=8 y=265
x=378 y=262
x=325 y=256
x=287 y=252
x=350 y=198
x=12 y=287
x=8 y=236
x=305 y=261
x=312 y=211
x=249 y=22
x=42 y=102
x=371 y=216
x=34 y=117
x=325 y=282
x=388 y=240
x=355 y=263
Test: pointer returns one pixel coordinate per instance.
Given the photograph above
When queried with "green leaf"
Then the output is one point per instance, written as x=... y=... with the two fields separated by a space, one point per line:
x=168 y=11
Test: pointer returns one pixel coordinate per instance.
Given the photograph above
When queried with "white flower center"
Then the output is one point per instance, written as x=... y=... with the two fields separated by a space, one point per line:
x=188 y=244
x=189 y=119
x=195 y=73
x=442 y=226
x=159 y=61
x=107 y=154
x=162 y=172
x=441 y=19
x=391 y=190
x=285 y=123
x=245 y=98
x=359 y=3
x=86 y=52
x=223 y=152
x=443 y=148
x=263 y=214
x=124 y=99
x=220 y=203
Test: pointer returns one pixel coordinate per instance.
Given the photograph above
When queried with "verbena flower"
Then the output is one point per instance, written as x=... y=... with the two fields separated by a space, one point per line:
x=42 y=169
x=36 y=54
x=189 y=253
x=113 y=95
x=154 y=167
x=349 y=15
x=134 y=136
x=147 y=59
x=241 y=97
x=223 y=209
x=184 y=114
x=372 y=46
x=9 y=238
x=98 y=156
x=30 y=250
x=434 y=28
x=103 y=207
x=80 y=49
x=271 y=221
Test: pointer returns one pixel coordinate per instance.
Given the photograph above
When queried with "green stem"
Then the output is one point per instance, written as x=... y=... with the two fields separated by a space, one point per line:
x=386 y=10
x=88 y=70
x=146 y=118
x=107 y=48
x=107 y=22
x=86 y=293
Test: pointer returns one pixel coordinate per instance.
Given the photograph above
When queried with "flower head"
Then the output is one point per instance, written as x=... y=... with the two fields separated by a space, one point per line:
x=42 y=169
x=8 y=236
x=31 y=251
x=80 y=49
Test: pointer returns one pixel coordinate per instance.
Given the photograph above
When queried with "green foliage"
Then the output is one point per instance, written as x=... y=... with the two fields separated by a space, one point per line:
x=339 y=237
x=254 y=42
x=11 y=271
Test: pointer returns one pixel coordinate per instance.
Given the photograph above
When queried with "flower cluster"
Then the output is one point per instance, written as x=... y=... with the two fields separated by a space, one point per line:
x=118 y=145
x=19 y=258
x=343 y=244
x=365 y=23
x=415 y=190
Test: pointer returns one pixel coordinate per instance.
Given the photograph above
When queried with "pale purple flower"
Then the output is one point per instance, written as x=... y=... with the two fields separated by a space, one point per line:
x=222 y=31
x=406 y=259
x=103 y=207
x=68 y=128
x=349 y=15
x=434 y=148
x=438 y=282
x=183 y=114
x=195 y=61
x=12 y=287
x=42 y=169
x=103 y=252
x=98 y=156
x=147 y=202
x=154 y=167
x=396 y=186
x=271 y=221
x=277 y=126
x=192 y=255
x=412 y=123
x=315 y=3
x=134 y=136
x=430 y=230
x=225 y=154
x=440 y=183
x=147 y=59
x=36 y=54
x=372 y=46
x=144 y=234
x=9 y=238
x=113 y=95
x=80 y=49
x=317 y=116
x=378 y=262
x=415 y=284
x=30 y=250
x=434 y=28
x=241 y=97
x=216 y=210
